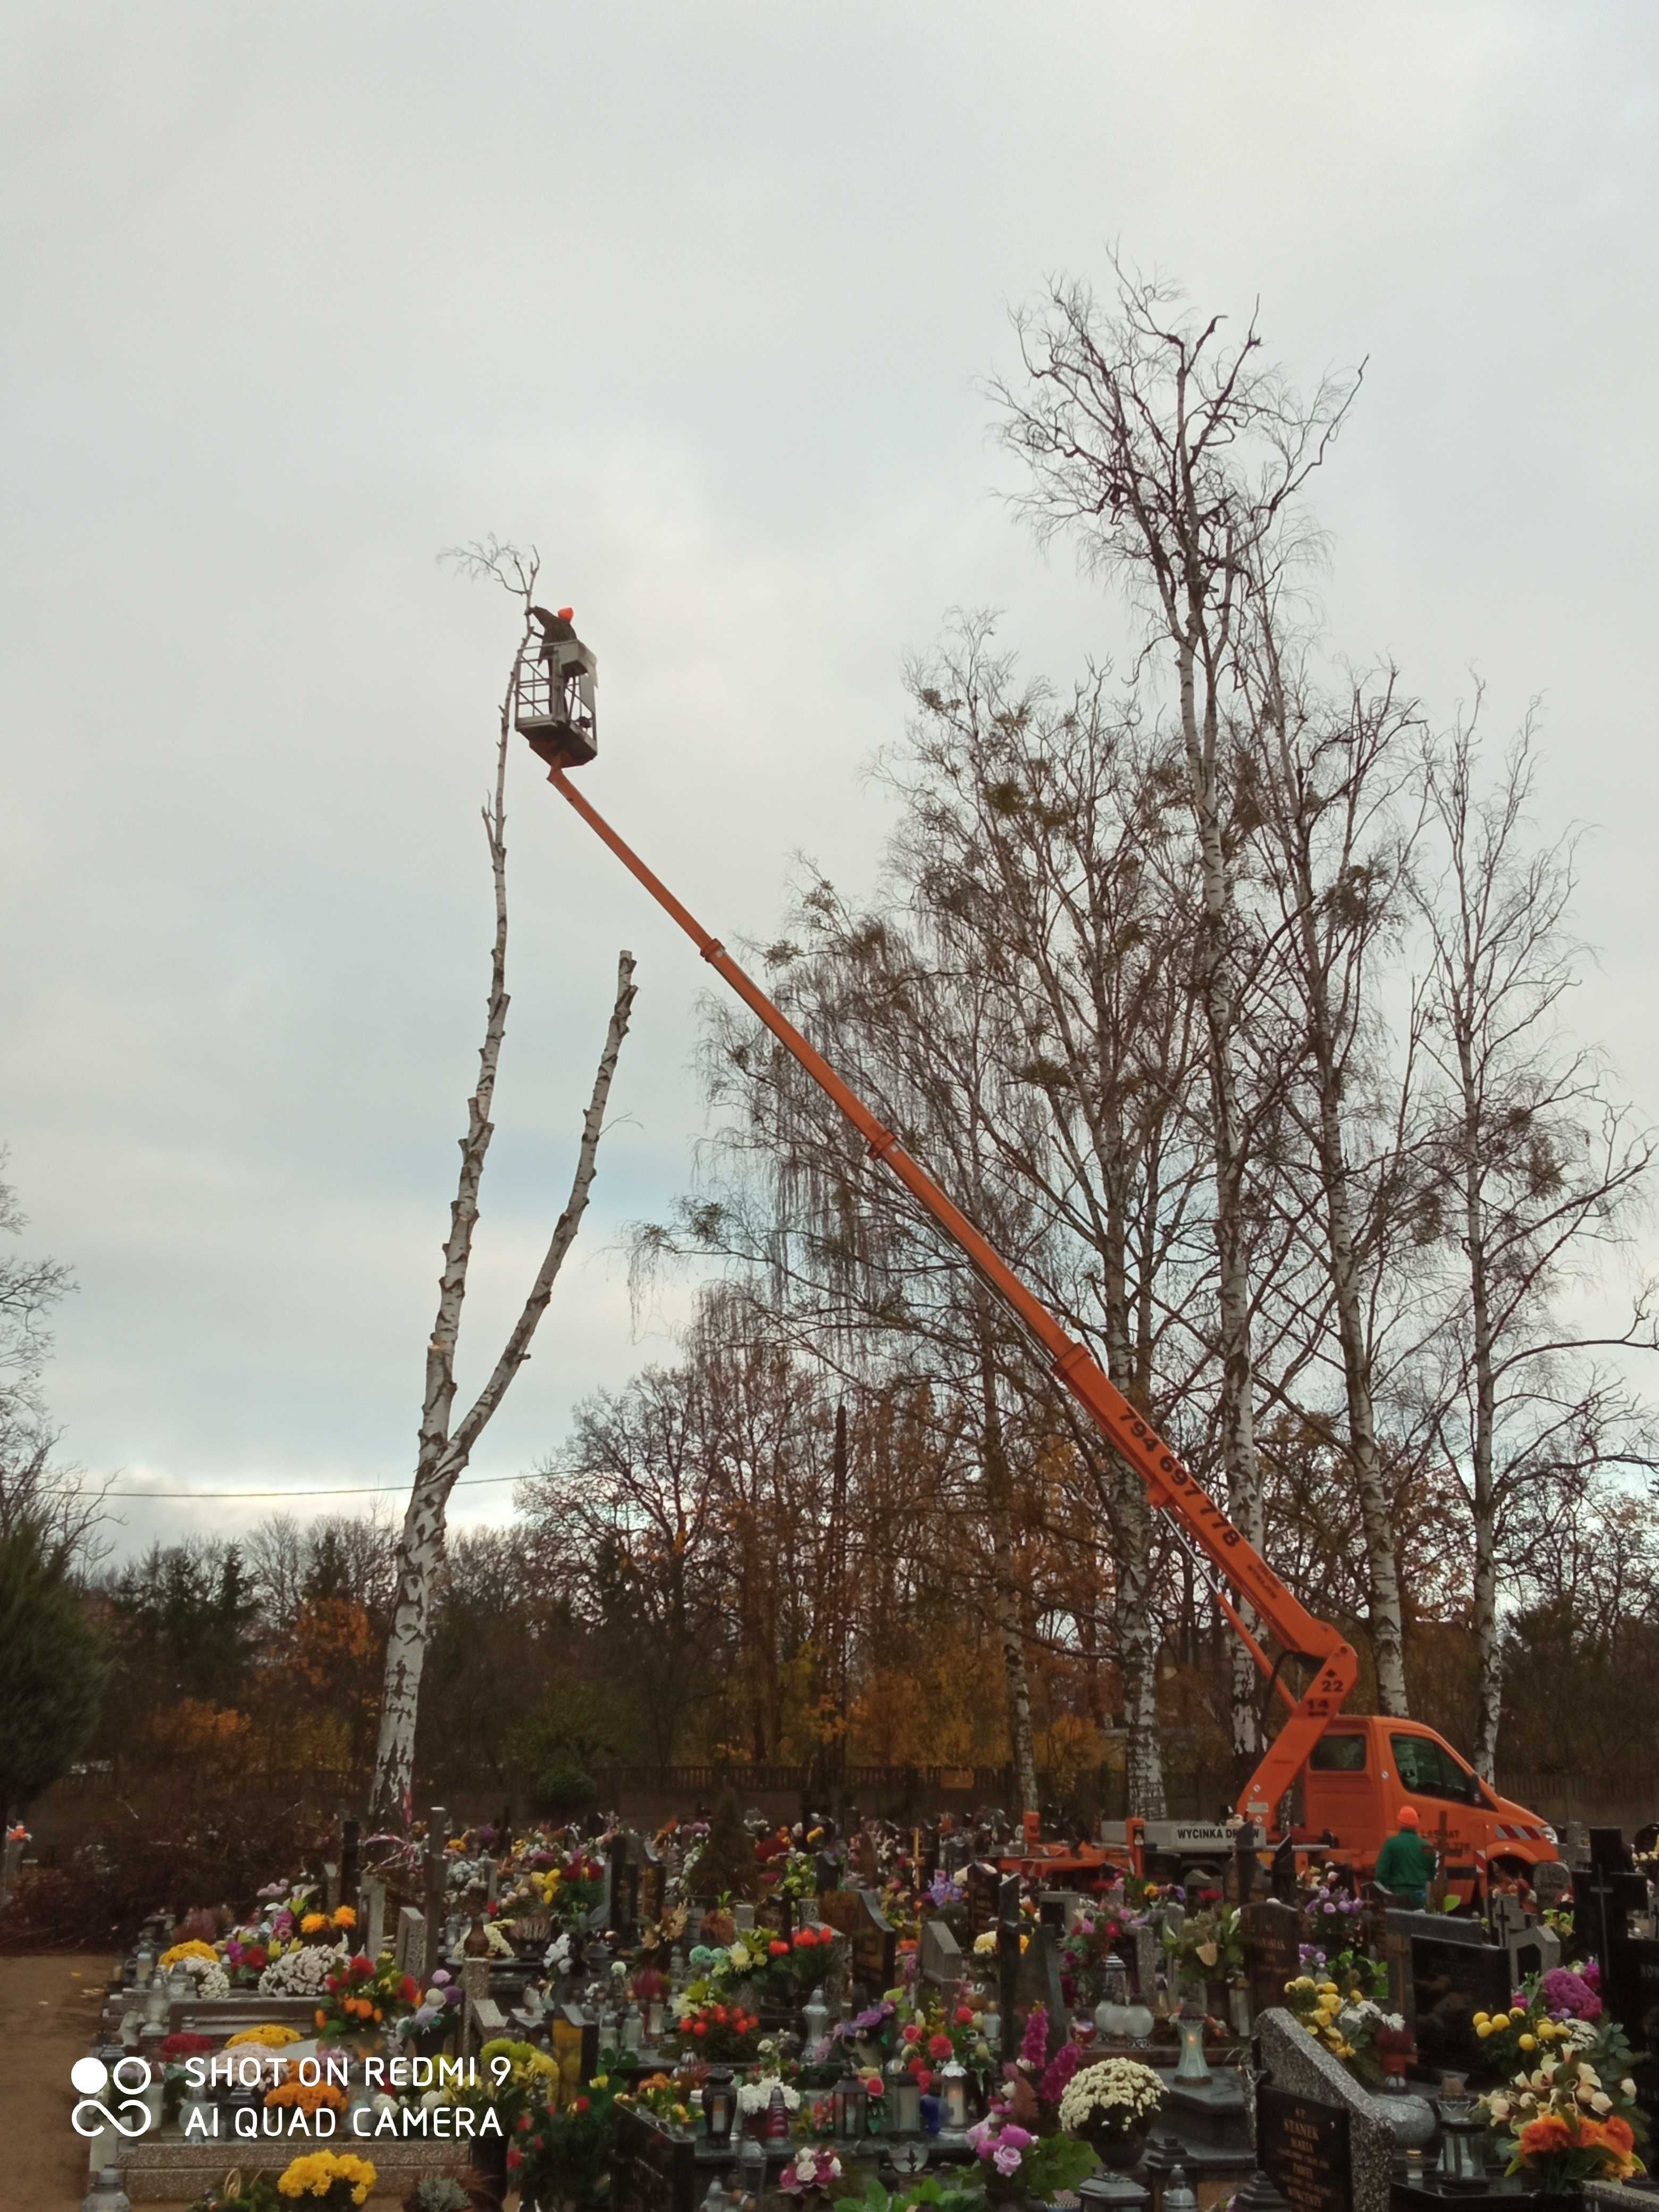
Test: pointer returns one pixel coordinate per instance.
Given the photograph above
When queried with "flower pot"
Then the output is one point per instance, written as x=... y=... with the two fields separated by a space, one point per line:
x=1117 y=2148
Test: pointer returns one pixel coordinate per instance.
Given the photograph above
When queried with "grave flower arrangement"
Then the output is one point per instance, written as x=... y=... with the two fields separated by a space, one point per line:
x=200 y=1960
x=788 y=1971
x=812 y=2168
x=271 y=2033
x=1114 y=2101
x=1571 y=2119
x=718 y=2031
x=667 y=2096
x=429 y=2021
x=1348 y=2025
x=1209 y=1944
x=336 y=2180
x=1017 y=2165
x=564 y=2157
x=302 y=1970
x=362 y=1996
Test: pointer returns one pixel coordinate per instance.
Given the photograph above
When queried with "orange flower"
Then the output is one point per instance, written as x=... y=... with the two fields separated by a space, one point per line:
x=321 y=2018
x=1618 y=2133
x=1540 y=2136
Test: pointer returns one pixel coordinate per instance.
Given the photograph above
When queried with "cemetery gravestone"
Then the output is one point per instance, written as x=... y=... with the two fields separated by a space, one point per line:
x=1551 y=1880
x=351 y=1831
x=652 y=2171
x=410 y=1951
x=1321 y=2137
x=373 y=1899
x=941 y=1961
x=1304 y=2146
x=1037 y=1983
x=652 y=1886
x=624 y=1885
x=1273 y=1944
x=980 y=1891
x=1448 y=1980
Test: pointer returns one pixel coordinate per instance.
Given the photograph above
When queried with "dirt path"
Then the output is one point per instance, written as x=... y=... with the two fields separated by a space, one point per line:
x=50 y=2004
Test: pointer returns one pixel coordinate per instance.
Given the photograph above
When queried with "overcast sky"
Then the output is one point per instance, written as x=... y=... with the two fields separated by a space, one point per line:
x=699 y=299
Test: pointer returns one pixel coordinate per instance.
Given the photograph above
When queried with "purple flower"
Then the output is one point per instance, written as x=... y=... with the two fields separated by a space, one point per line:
x=1569 y=1996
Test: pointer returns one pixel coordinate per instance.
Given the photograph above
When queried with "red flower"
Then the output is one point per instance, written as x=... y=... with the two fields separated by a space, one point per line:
x=524 y=2123
x=938 y=2046
x=778 y=1950
x=362 y=1968
x=1209 y=1897
x=924 y=2078
x=581 y=2104
x=806 y=1938
x=516 y=2157
x=409 y=1989
x=964 y=2015
x=719 y=2014
x=699 y=2027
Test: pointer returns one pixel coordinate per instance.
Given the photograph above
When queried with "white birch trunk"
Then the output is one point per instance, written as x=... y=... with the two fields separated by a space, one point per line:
x=1387 y=1617
x=444 y=1457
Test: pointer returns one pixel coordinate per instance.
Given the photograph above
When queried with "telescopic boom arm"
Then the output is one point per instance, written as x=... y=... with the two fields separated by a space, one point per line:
x=1172 y=1487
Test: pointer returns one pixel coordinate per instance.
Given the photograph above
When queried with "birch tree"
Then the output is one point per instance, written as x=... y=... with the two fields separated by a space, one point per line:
x=444 y=1444
x=1174 y=458
x=1327 y=775
x=1540 y=1168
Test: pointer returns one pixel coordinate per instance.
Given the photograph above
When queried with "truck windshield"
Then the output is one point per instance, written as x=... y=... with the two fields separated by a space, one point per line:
x=1427 y=1769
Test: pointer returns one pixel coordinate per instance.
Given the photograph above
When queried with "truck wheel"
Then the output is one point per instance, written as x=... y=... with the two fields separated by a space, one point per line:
x=1512 y=1870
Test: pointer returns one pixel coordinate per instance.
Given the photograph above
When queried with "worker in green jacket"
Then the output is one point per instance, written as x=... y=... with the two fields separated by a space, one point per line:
x=1406 y=1864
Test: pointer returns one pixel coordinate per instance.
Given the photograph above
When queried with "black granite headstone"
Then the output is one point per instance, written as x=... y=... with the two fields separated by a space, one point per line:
x=1272 y=1946
x=651 y=2171
x=1303 y=2145
x=1447 y=1983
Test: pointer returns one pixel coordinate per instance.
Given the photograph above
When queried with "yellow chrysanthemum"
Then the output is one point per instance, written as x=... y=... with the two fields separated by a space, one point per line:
x=190 y=1950
x=271 y=2034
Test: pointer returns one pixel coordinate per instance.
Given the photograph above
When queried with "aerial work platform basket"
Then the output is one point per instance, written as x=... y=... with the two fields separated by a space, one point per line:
x=553 y=703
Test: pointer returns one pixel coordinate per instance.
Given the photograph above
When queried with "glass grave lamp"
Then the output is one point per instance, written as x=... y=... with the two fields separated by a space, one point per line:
x=751 y=2171
x=1193 y=2066
x=719 y=2106
x=846 y=2103
x=953 y=2098
x=1112 y=2013
x=156 y=2000
x=1111 y=2192
x=1163 y=2155
x=903 y=2099
x=1460 y=2165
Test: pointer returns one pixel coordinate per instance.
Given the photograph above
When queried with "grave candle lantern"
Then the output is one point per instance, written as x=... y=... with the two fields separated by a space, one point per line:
x=846 y=2103
x=903 y=2098
x=953 y=2097
x=719 y=2105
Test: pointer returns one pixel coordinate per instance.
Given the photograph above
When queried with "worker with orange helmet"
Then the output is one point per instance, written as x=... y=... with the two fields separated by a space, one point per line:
x=1406 y=1864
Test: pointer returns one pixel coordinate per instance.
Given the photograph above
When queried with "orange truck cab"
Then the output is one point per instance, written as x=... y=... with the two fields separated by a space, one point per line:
x=1365 y=1768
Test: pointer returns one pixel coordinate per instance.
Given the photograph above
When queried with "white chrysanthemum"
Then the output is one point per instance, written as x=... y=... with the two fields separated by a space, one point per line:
x=1113 y=2085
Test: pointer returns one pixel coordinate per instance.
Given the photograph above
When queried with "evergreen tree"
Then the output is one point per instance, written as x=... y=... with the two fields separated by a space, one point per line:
x=725 y=1865
x=52 y=1667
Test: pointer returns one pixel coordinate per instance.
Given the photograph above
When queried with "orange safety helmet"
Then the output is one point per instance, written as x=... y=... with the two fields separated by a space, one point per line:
x=1408 y=1816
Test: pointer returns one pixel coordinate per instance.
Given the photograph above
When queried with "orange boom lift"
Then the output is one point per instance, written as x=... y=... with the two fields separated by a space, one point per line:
x=555 y=712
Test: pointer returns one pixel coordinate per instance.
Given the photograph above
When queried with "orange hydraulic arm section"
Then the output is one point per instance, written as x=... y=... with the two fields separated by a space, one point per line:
x=1173 y=1489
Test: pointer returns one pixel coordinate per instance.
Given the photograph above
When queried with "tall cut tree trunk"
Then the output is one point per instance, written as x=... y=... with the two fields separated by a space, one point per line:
x=1489 y=1695
x=1386 y=1611
x=442 y=1451
x=999 y=1486
x=1199 y=736
x=444 y=1458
